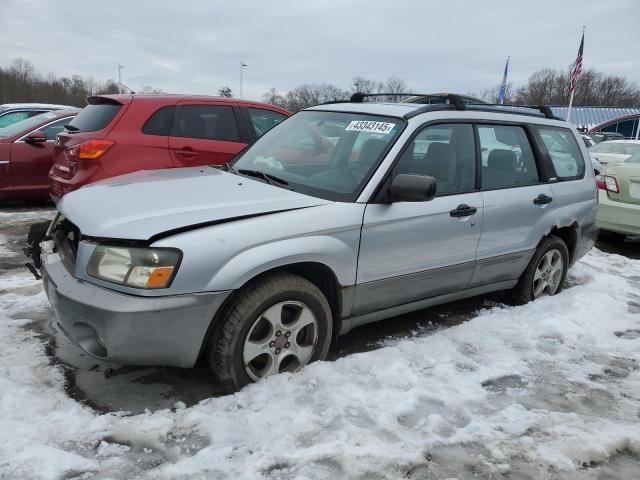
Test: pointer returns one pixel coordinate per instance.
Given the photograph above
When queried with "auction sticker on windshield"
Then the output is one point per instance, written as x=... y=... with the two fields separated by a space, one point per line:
x=373 y=127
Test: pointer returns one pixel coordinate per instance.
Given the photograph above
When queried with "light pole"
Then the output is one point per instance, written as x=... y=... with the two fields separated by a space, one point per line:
x=120 y=67
x=242 y=65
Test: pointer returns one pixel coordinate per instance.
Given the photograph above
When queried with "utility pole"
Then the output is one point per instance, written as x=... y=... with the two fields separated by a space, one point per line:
x=242 y=65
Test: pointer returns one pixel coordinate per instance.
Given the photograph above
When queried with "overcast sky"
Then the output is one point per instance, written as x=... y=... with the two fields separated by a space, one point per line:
x=196 y=47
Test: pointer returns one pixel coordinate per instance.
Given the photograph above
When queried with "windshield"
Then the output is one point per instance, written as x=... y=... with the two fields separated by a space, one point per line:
x=324 y=154
x=24 y=125
x=615 y=147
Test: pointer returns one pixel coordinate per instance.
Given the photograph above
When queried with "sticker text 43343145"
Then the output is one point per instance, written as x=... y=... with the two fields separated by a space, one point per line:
x=372 y=127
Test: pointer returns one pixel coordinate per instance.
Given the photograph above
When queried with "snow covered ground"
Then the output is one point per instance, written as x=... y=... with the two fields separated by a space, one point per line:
x=549 y=390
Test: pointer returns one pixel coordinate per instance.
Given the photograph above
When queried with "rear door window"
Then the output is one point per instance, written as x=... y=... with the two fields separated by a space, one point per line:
x=564 y=152
x=159 y=123
x=264 y=120
x=507 y=157
x=95 y=117
x=210 y=122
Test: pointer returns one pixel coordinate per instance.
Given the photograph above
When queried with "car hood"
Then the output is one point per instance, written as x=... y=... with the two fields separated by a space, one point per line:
x=146 y=204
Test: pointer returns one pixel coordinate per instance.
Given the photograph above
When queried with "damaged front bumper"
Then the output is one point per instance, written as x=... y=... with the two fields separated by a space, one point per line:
x=128 y=329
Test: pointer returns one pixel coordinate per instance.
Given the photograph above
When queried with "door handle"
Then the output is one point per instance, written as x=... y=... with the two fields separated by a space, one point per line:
x=186 y=152
x=542 y=199
x=463 y=211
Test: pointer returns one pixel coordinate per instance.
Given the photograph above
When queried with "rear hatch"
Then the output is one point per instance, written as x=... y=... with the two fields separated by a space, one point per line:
x=94 y=122
x=627 y=176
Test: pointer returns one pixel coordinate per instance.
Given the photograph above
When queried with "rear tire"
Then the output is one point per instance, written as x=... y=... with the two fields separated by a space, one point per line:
x=275 y=324
x=545 y=273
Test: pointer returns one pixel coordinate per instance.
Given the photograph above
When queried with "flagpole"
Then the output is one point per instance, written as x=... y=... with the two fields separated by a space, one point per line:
x=570 y=105
x=574 y=67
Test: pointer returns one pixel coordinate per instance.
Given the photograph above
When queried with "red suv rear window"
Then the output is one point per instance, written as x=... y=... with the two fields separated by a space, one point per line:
x=94 y=117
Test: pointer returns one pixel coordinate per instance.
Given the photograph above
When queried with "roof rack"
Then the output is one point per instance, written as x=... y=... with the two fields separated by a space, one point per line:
x=457 y=100
x=543 y=109
x=453 y=101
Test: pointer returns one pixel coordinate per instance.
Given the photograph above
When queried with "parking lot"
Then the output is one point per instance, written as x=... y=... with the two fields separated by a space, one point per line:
x=514 y=410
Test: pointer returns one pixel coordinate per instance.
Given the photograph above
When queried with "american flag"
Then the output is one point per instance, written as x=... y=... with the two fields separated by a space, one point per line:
x=577 y=68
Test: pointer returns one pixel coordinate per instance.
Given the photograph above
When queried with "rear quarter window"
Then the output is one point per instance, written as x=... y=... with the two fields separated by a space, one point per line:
x=159 y=123
x=564 y=152
x=95 y=117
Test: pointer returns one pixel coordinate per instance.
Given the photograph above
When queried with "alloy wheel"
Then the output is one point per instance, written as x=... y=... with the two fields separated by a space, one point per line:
x=281 y=339
x=548 y=274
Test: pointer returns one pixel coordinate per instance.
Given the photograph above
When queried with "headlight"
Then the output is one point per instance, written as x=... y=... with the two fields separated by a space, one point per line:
x=134 y=267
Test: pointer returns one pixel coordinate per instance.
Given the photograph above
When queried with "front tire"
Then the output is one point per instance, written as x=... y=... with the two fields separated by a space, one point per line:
x=276 y=324
x=545 y=273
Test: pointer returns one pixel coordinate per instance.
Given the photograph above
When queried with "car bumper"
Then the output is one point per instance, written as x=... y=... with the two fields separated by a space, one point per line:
x=127 y=329
x=618 y=216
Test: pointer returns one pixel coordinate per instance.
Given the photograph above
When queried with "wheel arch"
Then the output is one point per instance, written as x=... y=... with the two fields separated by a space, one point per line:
x=320 y=274
x=569 y=235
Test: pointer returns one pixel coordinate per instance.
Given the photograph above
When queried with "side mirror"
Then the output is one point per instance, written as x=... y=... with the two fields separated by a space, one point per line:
x=412 y=188
x=36 y=137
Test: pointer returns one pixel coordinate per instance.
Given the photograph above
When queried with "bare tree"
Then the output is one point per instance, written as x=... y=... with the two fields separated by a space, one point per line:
x=392 y=85
x=311 y=94
x=273 y=97
x=150 y=89
x=491 y=94
x=225 y=92
x=548 y=86
x=20 y=82
x=364 y=85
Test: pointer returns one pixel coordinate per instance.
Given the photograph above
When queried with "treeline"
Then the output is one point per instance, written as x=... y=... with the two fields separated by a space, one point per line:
x=544 y=87
x=551 y=87
x=20 y=82
x=311 y=94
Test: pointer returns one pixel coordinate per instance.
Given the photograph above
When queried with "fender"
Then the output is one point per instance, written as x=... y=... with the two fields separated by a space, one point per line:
x=331 y=251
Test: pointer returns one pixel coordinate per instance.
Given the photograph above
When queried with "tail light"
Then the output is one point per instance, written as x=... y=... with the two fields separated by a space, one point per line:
x=608 y=183
x=89 y=150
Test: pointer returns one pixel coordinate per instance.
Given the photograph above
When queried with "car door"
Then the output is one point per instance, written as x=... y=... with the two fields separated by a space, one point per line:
x=415 y=250
x=5 y=164
x=204 y=133
x=31 y=162
x=517 y=202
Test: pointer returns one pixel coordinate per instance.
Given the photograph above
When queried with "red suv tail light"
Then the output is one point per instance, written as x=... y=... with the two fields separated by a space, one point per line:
x=89 y=150
x=608 y=183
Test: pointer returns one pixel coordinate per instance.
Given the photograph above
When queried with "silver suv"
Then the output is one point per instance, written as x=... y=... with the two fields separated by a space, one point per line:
x=342 y=215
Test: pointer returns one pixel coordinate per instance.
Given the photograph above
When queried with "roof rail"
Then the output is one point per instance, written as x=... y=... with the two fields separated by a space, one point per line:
x=457 y=100
x=543 y=109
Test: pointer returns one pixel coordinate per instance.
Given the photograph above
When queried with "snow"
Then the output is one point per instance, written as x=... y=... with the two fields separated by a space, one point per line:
x=552 y=387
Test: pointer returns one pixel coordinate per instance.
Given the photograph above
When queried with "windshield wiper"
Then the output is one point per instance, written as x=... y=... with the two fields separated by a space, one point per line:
x=270 y=179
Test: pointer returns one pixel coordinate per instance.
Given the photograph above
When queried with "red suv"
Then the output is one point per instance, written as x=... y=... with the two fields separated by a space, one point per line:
x=117 y=134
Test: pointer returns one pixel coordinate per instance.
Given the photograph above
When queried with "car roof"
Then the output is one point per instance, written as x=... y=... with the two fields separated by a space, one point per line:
x=164 y=98
x=24 y=106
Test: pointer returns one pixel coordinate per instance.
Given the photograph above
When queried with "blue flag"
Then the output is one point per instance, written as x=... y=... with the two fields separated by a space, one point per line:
x=503 y=87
